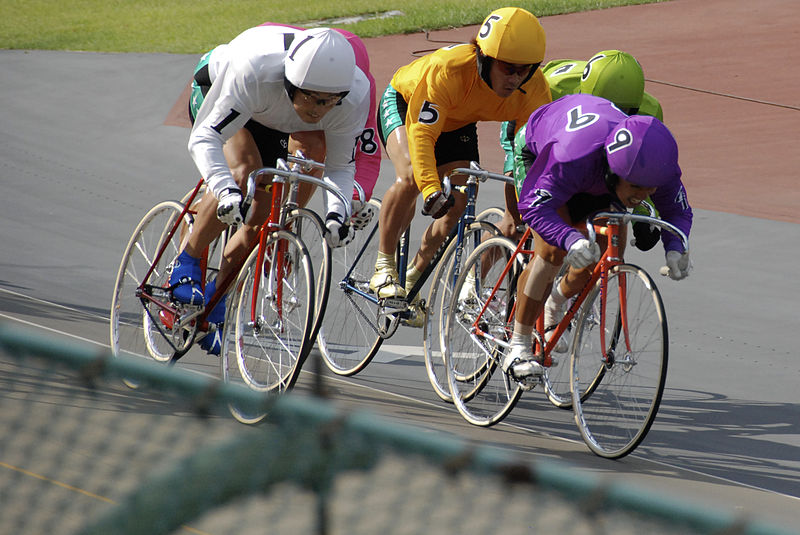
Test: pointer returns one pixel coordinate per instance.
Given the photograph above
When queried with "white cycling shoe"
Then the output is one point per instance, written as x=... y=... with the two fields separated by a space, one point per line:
x=521 y=365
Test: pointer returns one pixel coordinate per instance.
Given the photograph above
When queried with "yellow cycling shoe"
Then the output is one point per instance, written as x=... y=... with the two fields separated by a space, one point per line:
x=384 y=283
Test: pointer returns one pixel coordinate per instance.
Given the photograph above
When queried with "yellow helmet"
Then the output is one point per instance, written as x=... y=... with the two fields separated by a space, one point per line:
x=513 y=35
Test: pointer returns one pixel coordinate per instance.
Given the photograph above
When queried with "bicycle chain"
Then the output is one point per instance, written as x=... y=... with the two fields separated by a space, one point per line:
x=361 y=313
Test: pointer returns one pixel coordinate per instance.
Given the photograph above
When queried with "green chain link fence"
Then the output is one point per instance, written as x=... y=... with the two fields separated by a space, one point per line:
x=80 y=453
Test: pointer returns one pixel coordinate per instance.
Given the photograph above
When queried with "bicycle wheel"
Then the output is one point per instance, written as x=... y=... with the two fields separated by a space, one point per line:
x=556 y=379
x=491 y=215
x=136 y=326
x=480 y=390
x=347 y=338
x=308 y=226
x=438 y=303
x=624 y=390
x=272 y=325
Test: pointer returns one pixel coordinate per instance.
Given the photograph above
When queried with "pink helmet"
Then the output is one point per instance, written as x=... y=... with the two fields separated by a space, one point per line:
x=641 y=150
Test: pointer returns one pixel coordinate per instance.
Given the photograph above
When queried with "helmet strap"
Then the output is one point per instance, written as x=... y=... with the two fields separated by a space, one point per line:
x=484 y=66
x=290 y=88
x=611 y=181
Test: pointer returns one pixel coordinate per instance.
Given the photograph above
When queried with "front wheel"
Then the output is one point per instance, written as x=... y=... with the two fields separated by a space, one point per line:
x=347 y=339
x=616 y=396
x=273 y=319
x=439 y=298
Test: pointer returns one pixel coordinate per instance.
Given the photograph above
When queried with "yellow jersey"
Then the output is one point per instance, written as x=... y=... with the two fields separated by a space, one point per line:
x=445 y=92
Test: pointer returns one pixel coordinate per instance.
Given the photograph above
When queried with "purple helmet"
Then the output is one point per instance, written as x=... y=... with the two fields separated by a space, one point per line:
x=641 y=150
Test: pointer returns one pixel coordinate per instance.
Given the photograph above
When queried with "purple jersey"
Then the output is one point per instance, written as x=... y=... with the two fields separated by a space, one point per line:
x=567 y=138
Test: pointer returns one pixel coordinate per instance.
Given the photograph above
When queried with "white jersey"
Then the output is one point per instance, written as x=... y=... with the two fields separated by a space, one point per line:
x=247 y=78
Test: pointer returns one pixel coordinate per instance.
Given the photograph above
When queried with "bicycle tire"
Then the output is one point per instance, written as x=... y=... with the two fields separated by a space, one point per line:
x=347 y=338
x=438 y=304
x=480 y=390
x=135 y=326
x=309 y=227
x=271 y=350
x=625 y=392
x=491 y=215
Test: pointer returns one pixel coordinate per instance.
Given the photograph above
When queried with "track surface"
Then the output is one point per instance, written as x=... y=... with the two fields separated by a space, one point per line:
x=79 y=166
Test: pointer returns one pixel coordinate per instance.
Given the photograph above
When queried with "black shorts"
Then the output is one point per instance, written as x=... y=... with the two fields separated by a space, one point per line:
x=581 y=205
x=453 y=146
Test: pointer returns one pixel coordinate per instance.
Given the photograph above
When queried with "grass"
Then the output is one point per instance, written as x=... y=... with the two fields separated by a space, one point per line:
x=194 y=26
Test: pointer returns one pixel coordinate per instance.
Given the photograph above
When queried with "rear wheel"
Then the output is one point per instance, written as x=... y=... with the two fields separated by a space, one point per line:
x=480 y=390
x=139 y=324
x=347 y=338
x=617 y=397
x=491 y=215
x=309 y=227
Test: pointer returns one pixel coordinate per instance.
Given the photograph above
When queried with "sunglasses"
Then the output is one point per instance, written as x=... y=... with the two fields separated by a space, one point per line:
x=311 y=98
x=513 y=68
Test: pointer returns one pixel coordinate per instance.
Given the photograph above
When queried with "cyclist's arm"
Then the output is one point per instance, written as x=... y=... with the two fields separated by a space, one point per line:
x=673 y=206
x=223 y=113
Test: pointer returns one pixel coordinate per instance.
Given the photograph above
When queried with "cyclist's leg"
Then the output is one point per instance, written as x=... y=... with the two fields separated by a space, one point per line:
x=439 y=229
x=397 y=211
x=453 y=149
x=249 y=149
x=511 y=221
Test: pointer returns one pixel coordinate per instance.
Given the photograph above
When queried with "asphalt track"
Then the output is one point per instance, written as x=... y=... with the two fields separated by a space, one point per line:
x=85 y=150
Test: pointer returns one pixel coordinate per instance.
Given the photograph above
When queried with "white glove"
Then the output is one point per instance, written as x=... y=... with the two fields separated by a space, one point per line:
x=678 y=265
x=362 y=217
x=229 y=206
x=339 y=233
x=582 y=254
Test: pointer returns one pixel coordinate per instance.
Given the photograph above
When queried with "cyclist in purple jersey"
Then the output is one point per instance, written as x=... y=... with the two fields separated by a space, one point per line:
x=587 y=156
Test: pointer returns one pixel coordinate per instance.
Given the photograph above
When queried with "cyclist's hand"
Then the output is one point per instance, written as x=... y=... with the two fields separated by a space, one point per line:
x=362 y=217
x=645 y=236
x=229 y=206
x=437 y=204
x=583 y=253
x=678 y=265
x=339 y=233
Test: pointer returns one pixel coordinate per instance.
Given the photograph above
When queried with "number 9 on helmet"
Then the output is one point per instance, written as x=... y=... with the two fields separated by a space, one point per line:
x=641 y=150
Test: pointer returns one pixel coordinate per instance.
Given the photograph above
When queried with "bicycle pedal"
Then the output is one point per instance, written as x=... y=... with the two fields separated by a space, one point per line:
x=529 y=383
x=394 y=302
x=167 y=318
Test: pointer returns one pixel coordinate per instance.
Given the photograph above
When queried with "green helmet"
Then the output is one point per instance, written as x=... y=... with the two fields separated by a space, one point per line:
x=615 y=76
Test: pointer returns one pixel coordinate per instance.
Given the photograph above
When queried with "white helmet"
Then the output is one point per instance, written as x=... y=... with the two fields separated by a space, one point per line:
x=320 y=59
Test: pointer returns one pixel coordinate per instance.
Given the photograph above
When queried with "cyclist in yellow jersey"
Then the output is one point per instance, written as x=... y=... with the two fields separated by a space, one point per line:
x=427 y=123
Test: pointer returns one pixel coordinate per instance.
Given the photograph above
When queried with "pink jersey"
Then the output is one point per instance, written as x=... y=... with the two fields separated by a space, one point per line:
x=367 y=150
